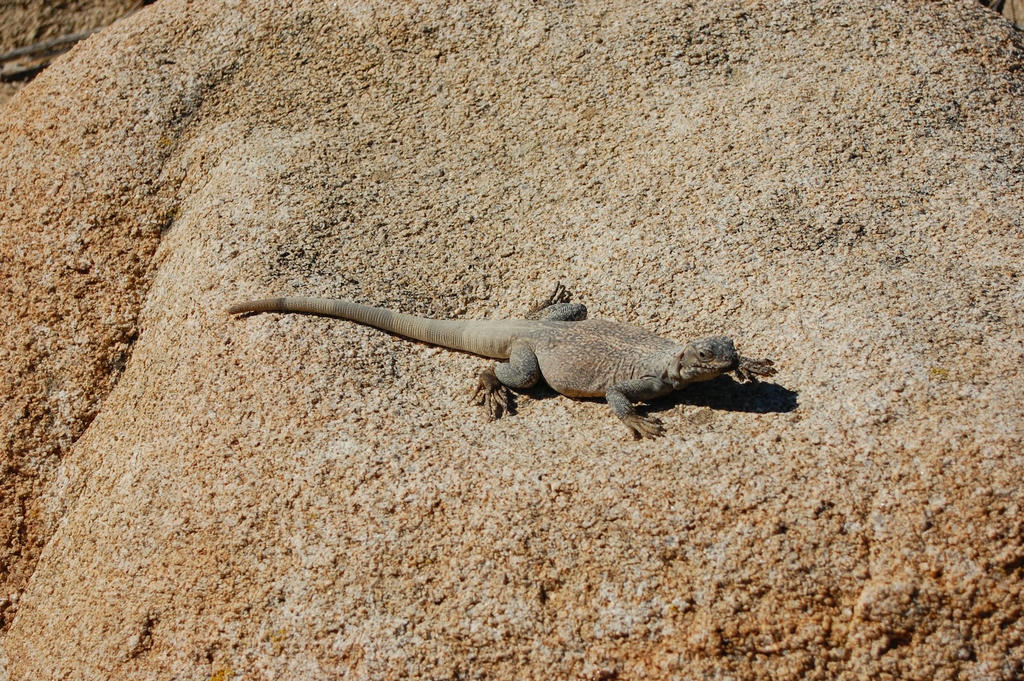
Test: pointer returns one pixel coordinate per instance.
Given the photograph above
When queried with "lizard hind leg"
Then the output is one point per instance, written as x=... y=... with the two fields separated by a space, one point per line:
x=492 y=395
x=520 y=372
x=557 y=307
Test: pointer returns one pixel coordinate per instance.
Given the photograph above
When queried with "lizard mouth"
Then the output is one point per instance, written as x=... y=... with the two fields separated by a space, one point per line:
x=706 y=371
x=723 y=365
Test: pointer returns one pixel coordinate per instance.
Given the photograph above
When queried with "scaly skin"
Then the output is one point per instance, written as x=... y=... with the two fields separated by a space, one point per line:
x=577 y=357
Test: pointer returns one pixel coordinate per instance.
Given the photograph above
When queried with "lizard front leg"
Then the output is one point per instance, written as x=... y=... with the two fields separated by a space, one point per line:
x=520 y=372
x=621 y=397
x=748 y=369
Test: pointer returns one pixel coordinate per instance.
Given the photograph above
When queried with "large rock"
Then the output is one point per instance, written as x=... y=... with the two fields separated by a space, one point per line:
x=836 y=185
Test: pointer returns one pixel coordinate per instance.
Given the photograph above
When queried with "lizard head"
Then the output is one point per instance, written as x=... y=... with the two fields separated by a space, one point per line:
x=703 y=360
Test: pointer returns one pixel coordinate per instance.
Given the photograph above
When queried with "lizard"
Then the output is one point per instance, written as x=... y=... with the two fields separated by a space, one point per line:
x=576 y=356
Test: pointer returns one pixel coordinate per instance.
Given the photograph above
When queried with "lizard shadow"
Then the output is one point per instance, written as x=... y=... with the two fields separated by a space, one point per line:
x=723 y=393
x=727 y=394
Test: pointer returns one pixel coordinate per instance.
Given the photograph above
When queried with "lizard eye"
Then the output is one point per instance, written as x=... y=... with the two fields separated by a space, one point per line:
x=704 y=355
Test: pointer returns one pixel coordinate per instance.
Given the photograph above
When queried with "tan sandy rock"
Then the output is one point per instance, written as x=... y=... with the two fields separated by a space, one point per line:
x=835 y=185
x=25 y=23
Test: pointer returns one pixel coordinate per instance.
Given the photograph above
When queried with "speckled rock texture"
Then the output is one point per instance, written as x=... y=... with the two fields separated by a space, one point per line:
x=837 y=186
x=29 y=22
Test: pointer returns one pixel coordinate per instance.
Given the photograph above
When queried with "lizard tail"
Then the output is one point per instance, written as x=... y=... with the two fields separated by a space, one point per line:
x=443 y=332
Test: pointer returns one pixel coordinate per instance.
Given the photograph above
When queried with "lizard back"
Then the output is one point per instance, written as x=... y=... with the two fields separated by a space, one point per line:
x=584 y=358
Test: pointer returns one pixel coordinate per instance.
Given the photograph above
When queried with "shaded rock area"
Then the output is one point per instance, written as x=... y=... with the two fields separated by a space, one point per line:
x=1013 y=10
x=49 y=27
x=190 y=495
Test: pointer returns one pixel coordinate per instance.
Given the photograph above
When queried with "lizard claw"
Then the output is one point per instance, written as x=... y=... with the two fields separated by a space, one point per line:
x=749 y=369
x=493 y=395
x=560 y=295
x=644 y=426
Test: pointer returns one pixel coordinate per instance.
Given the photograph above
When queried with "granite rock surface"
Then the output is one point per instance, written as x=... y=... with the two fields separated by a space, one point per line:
x=25 y=23
x=835 y=185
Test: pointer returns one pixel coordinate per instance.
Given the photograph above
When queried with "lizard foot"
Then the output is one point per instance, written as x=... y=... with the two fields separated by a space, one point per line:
x=749 y=369
x=559 y=295
x=643 y=426
x=493 y=395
